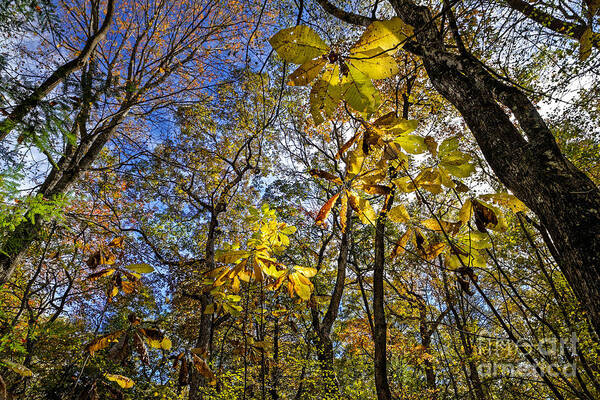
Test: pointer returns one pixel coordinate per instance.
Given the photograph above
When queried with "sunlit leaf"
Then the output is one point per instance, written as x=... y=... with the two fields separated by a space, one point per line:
x=298 y=44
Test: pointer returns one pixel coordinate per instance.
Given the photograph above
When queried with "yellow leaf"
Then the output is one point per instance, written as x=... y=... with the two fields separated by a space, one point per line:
x=306 y=271
x=142 y=268
x=307 y=72
x=384 y=35
x=399 y=214
x=401 y=243
x=464 y=215
x=585 y=44
x=374 y=64
x=121 y=380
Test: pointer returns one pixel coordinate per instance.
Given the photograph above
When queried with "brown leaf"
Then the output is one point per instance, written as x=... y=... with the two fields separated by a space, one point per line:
x=347 y=145
x=318 y=173
x=484 y=216
x=401 y=244
x=204 y=370
x=324 y=211
x=141 y=348
x=377 y=189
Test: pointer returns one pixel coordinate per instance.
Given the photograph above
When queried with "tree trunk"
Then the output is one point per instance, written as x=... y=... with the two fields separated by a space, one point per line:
x=380 y=326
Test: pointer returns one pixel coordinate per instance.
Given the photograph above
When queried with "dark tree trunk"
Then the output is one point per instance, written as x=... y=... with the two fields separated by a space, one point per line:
x=322 y=328
x=380 y=326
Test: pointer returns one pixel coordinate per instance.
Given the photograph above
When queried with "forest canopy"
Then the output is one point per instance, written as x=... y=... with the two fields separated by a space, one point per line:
x=299 y=199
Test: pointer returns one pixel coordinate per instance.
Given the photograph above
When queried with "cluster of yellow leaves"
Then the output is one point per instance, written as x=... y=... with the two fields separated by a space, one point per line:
x=342 y=76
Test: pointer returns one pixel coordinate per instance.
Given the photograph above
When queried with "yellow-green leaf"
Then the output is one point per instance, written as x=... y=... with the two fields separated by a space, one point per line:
x=142 y=268
x=412 y=144
x=18 y=368
x=359 y=92
x=399 y=214
x=298 y=44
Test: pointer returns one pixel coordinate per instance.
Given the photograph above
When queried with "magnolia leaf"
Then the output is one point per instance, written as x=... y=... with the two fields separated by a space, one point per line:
x=142 y=268
x=383 y=35
x=464 y=215
x=121 y=380
x=307 y=72
x=362 y=207
x=412 y=144
x=317 y=173
x=460 y=171
x=16 y=367
x=431 y=145
x=399 y=126
x=434 y=250
x=355 y=161
x=298 y=44
x=448 y=145
x=302 y=289
x=507 y=200
x=374 y=64
x=359 y=92
x=399 y=214
x=404 y=184
x=485 y=216
x=451 y=228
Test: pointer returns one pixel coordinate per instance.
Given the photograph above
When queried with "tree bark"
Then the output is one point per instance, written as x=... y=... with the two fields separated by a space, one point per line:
x=322 y=328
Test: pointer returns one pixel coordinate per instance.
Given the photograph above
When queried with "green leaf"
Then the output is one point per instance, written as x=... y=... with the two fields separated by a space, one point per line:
x=359 y=92
x=383 y=35
x=412 y=144
x=142 y=268
x=298 y=44
x=448 y=146
x=374 y=64
x=307 y=72
x=460 y=171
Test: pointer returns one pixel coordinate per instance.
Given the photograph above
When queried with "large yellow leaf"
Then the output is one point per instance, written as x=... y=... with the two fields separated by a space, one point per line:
x=374 y=64
x=306 y=271
x=121 y=380
x=412 y=144
x=401 y=243
x=585 y=44
x=142 y=268
x=399 y=214
x=384 y=35
x=298 y=44
x=324 y=211
x=507 y=200
x=362 y=207
x=231 y=256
